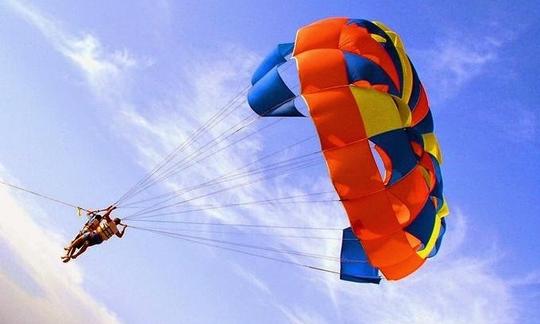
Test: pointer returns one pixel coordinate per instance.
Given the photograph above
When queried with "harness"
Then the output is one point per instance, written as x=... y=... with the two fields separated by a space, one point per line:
x=106 y=229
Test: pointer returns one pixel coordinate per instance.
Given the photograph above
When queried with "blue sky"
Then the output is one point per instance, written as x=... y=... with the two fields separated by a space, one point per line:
x=93 y=95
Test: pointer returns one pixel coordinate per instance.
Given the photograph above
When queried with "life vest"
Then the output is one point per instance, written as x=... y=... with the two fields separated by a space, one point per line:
x=93 y=223
x=106 y=229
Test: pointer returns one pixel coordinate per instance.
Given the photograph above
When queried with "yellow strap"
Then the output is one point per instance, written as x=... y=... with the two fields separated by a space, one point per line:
x=444 y=211
x=406 y=68
x=404 y=111
x=378 y=38
x=431 y=145
x=424 y=253
x=425 y=174
x=432 y=240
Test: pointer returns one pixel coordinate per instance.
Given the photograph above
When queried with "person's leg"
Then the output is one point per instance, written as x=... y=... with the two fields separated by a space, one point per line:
x=75 y=245
x=69 y=251
x=81 y=250
x=73 y=241
x=79 y=241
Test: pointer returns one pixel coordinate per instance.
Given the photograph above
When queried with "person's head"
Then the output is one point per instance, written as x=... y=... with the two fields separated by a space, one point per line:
x=117 y=221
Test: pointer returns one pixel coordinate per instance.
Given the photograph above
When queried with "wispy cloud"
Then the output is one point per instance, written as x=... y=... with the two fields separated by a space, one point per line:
x=459 y=60
x=106 y=72
x=452 y=288
x=56 y=294
x=455 y=60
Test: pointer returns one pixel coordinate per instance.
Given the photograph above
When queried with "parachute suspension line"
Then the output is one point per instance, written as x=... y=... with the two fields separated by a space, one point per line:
x=210 y=123
x=299 y=166
x=251 y=246
x=190 y=161
x=259 y=202
x=248 y=246
x=263 y=226
x=228 y=178
x=248 y=203
x=161 y=165
x=176 y=192
x=147 y=212
x=244 y=233
x=166 y=173
x=209 y=244
x=42 y=196
x=210 y=144
x=220 y=138
x=255 y=117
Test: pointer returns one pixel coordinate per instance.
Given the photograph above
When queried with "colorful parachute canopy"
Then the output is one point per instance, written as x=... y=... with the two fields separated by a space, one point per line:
x=376 y=132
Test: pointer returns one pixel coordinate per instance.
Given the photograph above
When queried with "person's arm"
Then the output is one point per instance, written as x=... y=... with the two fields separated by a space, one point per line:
x=121 y=232
x=108 y=212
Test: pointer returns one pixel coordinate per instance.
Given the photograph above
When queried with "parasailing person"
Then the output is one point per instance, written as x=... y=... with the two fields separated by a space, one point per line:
x=104 y=230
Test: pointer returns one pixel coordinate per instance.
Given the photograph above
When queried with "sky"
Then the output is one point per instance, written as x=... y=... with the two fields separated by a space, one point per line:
x=94 y=94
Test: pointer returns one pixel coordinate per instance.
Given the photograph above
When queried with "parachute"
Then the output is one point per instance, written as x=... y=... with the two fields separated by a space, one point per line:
x=375 y=128
x=371 y=115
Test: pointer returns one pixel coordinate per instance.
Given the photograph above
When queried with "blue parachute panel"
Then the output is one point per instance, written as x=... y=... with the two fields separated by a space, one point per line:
x=396 y=145
x=270 y=96
x=354 y=263
x=274 y=58
x=426 y=125
x=361 y=68
x=415 y=93
x=422 y=226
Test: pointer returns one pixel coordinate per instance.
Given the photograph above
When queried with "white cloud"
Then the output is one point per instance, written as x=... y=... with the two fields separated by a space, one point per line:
x=57 y=294
x=456 y=60
x=253 y=280
x=106 y=73
x=302 y=316
x=451 y=288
